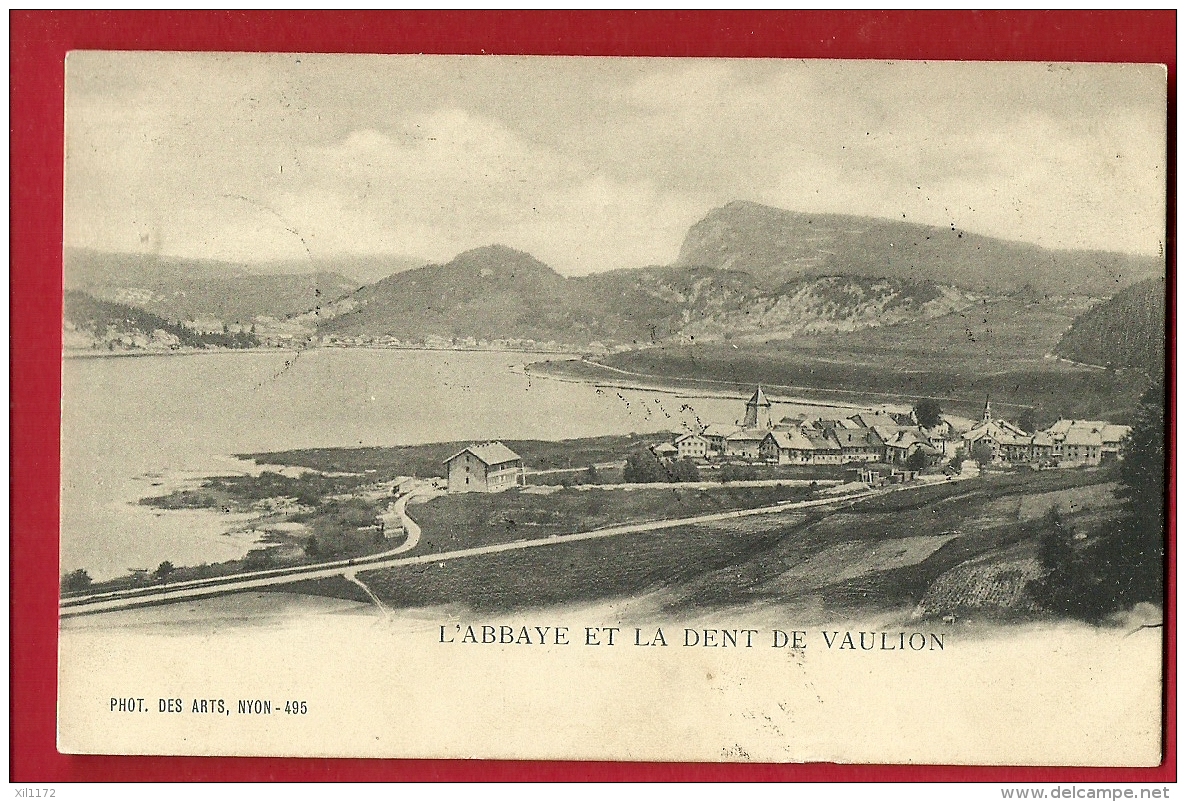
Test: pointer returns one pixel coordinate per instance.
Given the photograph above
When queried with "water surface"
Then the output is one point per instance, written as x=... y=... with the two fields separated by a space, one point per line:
x=135 y=427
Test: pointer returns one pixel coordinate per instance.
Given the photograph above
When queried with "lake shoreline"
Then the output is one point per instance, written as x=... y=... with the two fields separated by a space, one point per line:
x=682 y=386
x=128 y=420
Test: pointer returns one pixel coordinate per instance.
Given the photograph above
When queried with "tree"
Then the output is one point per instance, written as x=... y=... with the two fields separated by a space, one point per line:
x=591 y=477
x=1071 y=585
x=917 y=461
x=1027 y=421
x=1122 y=564
x=1135 y=552
x=958 y=458
x=982 y=453
x=684 y=470
x=162 y=572
x=76 y=581
x=641 y=466
x=927 y=413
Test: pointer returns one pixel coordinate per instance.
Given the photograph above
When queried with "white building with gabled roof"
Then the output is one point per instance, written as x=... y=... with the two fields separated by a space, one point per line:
x=484 y=468
x=692 y=446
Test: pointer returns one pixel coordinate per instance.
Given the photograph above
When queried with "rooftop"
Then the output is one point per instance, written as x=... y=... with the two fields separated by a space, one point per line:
x=494 y=453
x=758 y=399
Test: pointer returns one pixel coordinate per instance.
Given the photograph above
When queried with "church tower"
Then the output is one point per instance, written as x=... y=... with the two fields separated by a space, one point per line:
x=987 y=411
x=757 y=411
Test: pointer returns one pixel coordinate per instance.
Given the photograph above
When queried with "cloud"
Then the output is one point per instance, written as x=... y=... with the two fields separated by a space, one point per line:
x=593 y=164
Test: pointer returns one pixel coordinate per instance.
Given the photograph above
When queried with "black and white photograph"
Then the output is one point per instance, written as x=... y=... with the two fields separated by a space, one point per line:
x=592 y=408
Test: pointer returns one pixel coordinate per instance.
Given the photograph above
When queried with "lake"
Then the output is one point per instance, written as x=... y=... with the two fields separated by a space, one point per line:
x=140 y=426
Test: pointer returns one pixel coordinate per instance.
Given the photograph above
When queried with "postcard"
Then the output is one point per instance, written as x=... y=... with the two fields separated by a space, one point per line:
x=613 y=409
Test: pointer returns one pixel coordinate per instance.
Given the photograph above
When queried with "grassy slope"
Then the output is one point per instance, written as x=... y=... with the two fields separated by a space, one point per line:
x=476 y=519
x=736 y=562
x=981 y=517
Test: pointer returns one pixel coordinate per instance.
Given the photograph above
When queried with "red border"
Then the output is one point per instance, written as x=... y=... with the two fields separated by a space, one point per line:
x=39 y=41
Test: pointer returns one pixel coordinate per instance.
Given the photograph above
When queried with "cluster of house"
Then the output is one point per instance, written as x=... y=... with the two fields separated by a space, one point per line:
x=889 y=435
x=1067 y=443
x=881 y=436
x=436 y=342
x=883 y=443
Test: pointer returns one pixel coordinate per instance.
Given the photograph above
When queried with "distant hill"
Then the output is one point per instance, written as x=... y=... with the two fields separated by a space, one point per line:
x=89 y=323
x=496 y=292
x=1126 y=331
x=774 y=244
x=190 y=289
x=359 y=268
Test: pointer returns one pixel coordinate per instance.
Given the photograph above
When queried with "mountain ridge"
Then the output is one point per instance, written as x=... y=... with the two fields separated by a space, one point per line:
x=184 y=289
x=497 y=292
x=775 y=243
x=744 y=271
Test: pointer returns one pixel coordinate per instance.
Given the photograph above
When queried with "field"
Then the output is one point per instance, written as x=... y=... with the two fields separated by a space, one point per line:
x=478 y=519
x=880 y=554
x=567 y=573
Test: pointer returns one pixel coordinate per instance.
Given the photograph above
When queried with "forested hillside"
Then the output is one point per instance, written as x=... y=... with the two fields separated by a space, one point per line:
x=1127 y=331
x=89 y=323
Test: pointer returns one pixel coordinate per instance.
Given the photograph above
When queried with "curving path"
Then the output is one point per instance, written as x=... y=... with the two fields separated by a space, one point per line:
x=398 y=515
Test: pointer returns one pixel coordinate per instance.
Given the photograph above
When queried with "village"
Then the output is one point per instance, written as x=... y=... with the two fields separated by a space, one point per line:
x=886 y=444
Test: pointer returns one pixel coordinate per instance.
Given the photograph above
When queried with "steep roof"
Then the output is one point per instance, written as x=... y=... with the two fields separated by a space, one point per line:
x=881 y=421
x=792 y=439
x=822 y=442
x=1083 y=437
x=1113 y=433
x=689 y=436
x=884 y=433
x=857 y=438
x=489 y=453
x=907 y=438
x=1061 y=426
x=1086 y=432
x=758 y=399
x=721 y=429
x=748 y=434
x=1001 y=431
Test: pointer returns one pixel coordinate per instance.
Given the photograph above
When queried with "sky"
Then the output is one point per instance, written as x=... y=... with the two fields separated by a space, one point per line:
x=593 y=164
